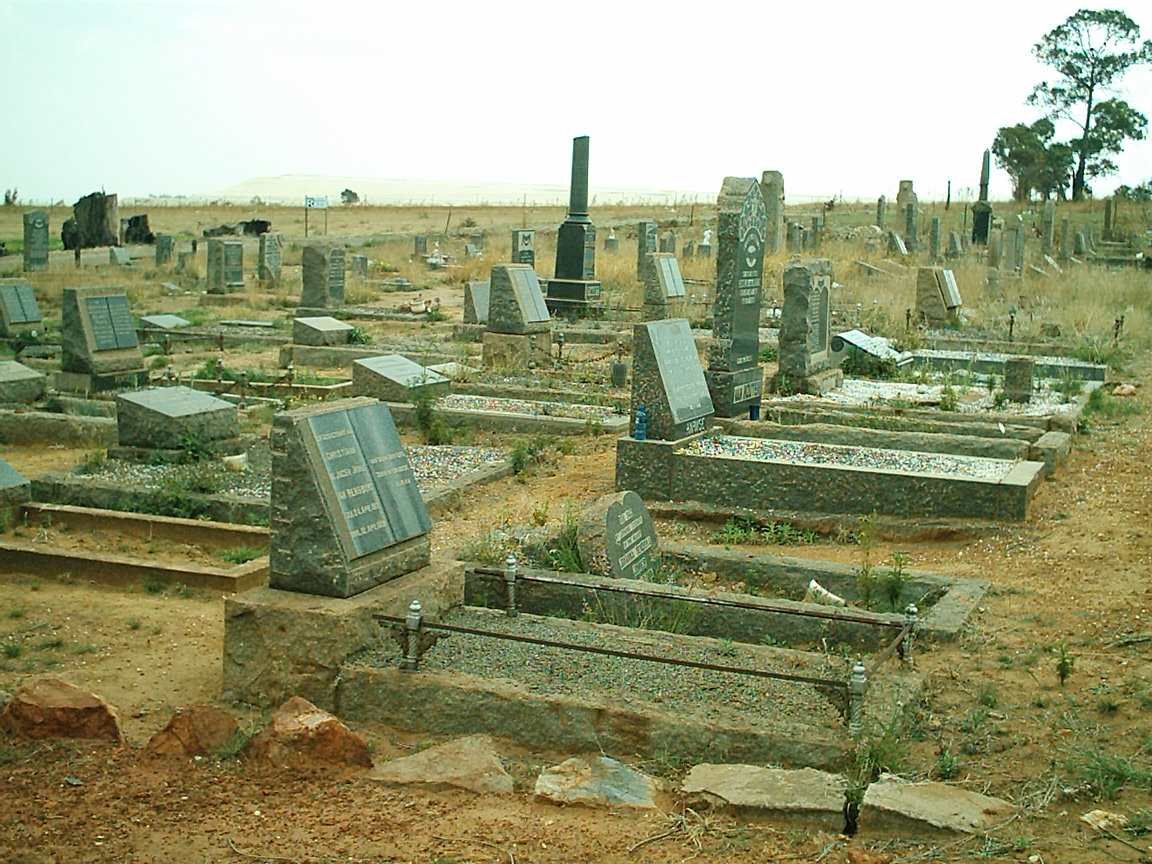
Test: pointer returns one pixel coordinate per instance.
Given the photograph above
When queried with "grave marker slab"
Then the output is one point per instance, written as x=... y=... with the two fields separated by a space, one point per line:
x=524 y=246
x=18 y=308
x=15 y=488
x=170 y=418
x=515 y=302
x=476 y=294
x=164 y=246
x=663 y=282
x=119 y=256
x=164 y=322
x=346 y=511
x=937 y=296
x=806 y=363
x=323 y=268
x=395 y=378
x=269 y=258
x=36 y=240
x=616 y=538
x=668 y=380
x=97 y=335
x=19 y=384
x=734 y=377
x=321 y=330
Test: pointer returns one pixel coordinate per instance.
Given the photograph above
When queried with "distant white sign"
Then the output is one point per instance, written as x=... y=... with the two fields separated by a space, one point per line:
x=315 y=202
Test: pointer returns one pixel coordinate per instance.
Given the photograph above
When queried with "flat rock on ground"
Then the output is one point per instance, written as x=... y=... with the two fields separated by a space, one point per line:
x=52 y=708
x=302 y=735
x=891 y=804
x=814 y=797
x=598 y=782
x=467 y=763
x=194 y=731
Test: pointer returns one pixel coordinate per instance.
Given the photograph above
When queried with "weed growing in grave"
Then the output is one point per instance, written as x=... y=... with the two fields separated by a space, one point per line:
x=895 y=580
x=1139 y=823
x=1069 y=387
x=769 y=354
x=1101 y=350
x=133 y=623
x=949 y=399
x=356 y=336
x=435 y=314
x=865 y=574
x=1101 y=403
x=153 y=585
x=1108 y=704
x=990 y=383
x=490 y=548
x=987 y=696
x=53 y=644
x=12 y=650
x=565 y=554
x=879 y=751
x=737 y=532
x=999 y=399
x=947 y=765
x=428 y=420
x=641 y=614
x=235 y=745
x=194 y=448
x=540 y=514
x=16 y=612
x=1105 y=774
x=1064 y=663
x=528 y=453
x=241 y=554
x=92 y=462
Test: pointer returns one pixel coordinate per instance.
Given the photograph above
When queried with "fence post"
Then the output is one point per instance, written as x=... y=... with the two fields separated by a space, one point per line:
x=911 y=620
x=857 y=687
x=510 y=572
x=412 y=621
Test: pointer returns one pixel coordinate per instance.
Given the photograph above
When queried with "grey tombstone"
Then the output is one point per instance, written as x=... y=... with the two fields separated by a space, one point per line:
x=420 y=245
x=171 y=418
x=476 y=293
x=574 y=288
x=688 y=249
x=471 y=250
x=347 y=514
x=395 y=378
x=795 y=237
x=911 y=240
x=616 y=538
x=934 y=239
x=19 y=384
x=36 y=240
x=1109 y=219
x=663 y=283
x=906 y=195
x=97 y=336
x=992 y=283
x=323 y=276
x=1019 y=240
x=704 y=249
x=225 y=266
x=896 y=245
x=320 y=330
x=668 y=242
x=735 y=379
x=1018 y=375
x=19 y=310
x=119 y=256
x=646 y=244
x=982 y=210
x=817 y=233
x=1048 y=228
x=955 y=245
x=772 y=188
x=515 y=302
x=360 y=266
x=15 y=488
x=937 y=297
x=805 y=352
x=164 y=246
x=995 y=242
x=184 y=260
x=881 y=211
x=611 y=242
x=668 y=381
x=164 y=322
x=1080 y=245
x=524 y=246
x=269 y=258
x=1065 y=240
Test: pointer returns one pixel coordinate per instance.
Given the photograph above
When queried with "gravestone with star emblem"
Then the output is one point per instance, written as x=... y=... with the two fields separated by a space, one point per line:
x=36 y=240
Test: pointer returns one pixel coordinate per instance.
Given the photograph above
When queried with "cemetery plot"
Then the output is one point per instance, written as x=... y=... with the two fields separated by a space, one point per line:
x=520 y=415
x=992 y=363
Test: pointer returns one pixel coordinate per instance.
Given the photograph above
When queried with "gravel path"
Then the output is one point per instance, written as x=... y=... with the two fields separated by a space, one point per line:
x=434 y=466
x=462 y=402
x=710 y=696
x=808 y=453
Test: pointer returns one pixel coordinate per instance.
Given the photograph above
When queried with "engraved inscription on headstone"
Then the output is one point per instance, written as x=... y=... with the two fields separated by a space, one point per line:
x=524 y=246
x=18 y=304
x=268 y=262
x=668 y=381
x=36 y=240
x=631 y=538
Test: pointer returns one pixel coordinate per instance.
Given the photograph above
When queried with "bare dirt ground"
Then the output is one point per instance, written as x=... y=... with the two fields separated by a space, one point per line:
x=1076 y=574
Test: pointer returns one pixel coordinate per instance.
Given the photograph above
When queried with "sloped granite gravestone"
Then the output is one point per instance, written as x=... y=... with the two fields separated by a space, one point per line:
x=19 y=310
x=164 y=322
x=323 y=273
x=321 y=330
x=476 y=294
x=346 y=511
x=269 y=257
x=616 y=537
x=896 y=245
x=164 y=246
x=14 y=486
x=663 y=283
x=734 y=377
x=19 y=384
x=395 y=378
x=36 y=240
x=97 y=334
x=176 y=419
x=515 y=301
x=668 y=381
x=937 y=297
x=225 y=266
x=806 y=364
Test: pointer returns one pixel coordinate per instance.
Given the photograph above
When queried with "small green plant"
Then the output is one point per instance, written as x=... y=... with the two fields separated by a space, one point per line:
x=92 y=462
x=564 y=555
x=735 y=532
x=947 y=765
x=491 y=548
x=895 y=580
x=241 y=554
x=1139 y=823
x=435 y=314
x=999 y=399
x=133 y=623
x=1069 y=387
x=987 y=696
x=12 y=650
x=194 y=448
x=428 y=419
x=525 y=454
x=866 y=580
x=51 y=644
x=949 y=399
x=16 y=612
x=153 y=585
x=974 y=721
x=1108 y=704
x=235 y=744
x=356 y=336
x=1103 y=404
x=1105 y=774
x=1064 y=663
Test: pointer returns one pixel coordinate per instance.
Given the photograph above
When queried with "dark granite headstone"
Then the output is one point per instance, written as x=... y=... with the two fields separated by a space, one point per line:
x=170 y=418
x=164 y=245
x=735 y=379
x=524 y=246
x=18 y=307
x=668 y=381
x=96 y=332
x=646 y=244
x=515 y=302
x=574 y=287
x=323 y=268
x=346 y=511
x=805 y=329
x=395 y=378
x=616 y=538
x=476 y=293
x=36 y=240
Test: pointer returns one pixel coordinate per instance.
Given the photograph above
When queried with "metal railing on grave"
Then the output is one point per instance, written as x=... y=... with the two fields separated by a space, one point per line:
x=416 y=636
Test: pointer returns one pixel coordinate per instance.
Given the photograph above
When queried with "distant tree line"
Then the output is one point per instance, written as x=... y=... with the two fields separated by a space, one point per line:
x=1089 y=53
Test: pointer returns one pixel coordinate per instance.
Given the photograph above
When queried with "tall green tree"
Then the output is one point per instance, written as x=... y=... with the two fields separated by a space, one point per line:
x=1090 y=52
x=1033 y=160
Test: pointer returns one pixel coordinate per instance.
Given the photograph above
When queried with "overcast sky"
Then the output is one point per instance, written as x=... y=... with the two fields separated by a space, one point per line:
x=845 y=98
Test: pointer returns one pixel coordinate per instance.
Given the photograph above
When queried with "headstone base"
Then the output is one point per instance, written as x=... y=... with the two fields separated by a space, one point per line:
x=468 y=332
x=733 y=393
x=574 y=298
x=82 y=382
x=811 y=385
x=656 y=312
x=509 y=350
x=645 y=467
x=358 y=575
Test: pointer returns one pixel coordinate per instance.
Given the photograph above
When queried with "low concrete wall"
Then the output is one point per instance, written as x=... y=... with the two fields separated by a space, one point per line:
x=799 y=414
x=988 y=366
x=343 y=356
x=512 y=391
x=43 y=427
x=498 y=421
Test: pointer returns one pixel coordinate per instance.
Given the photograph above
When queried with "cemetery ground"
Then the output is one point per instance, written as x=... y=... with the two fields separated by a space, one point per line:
x=1071 y=582
x=1044 y=699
